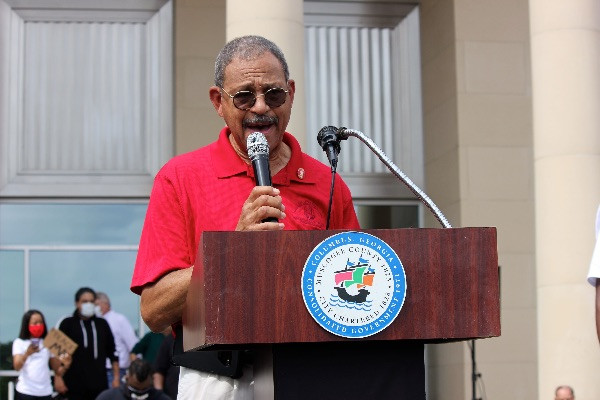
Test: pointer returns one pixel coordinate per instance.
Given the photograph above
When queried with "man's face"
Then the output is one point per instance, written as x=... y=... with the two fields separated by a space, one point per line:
x=133 y=381
x=258 y=76
x=103 y=306
x=564 y=394
x=136 y=387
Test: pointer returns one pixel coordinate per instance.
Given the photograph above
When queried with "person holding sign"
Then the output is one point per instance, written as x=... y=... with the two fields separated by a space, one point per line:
x=33 y=360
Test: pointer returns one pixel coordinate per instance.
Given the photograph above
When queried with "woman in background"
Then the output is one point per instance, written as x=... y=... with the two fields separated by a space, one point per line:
x=33 y=360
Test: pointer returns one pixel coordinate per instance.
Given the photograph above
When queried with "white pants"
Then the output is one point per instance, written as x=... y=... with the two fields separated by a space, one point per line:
x=203 y=385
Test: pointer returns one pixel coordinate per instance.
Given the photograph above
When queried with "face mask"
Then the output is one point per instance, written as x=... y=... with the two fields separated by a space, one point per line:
x=87 y=309
x=37 y=330
x=97 y=311
x=138 y=394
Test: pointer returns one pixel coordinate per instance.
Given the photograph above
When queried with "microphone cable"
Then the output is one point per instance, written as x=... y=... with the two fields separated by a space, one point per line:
x=333 y=169
x=329 y=140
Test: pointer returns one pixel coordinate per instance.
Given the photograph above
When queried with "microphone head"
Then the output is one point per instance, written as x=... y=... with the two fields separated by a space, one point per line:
x=328 y=136
x=329 y=141
x=257 y=145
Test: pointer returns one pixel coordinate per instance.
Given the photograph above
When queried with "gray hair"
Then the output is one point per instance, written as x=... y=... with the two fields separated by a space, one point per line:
x=246 y=48
x=103 y=298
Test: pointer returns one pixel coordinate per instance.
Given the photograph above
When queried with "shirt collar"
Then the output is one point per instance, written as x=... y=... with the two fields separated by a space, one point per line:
x=227 y=163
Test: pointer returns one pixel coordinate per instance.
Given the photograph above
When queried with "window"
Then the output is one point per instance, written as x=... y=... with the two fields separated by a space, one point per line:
x=87 y=106
x=49 y=250
x=363 y=72
x=86 y=109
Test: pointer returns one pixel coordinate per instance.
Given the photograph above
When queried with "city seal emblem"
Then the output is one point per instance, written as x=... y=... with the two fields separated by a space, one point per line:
x=353 y=284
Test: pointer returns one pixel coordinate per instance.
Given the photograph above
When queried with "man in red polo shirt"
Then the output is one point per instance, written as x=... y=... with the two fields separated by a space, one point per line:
x=213 y=188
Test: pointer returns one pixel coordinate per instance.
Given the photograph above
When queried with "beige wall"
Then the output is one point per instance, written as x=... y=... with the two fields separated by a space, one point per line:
x=565 y=41
x=447 y=362
x=199 y=35
x=478 y=152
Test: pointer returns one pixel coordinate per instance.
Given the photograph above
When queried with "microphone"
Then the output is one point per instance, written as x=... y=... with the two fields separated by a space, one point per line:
x=258 y=151
x=329 y=141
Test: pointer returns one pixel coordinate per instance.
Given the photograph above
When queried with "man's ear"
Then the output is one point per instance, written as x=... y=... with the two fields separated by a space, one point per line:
x=216 y=99
x=292 y=88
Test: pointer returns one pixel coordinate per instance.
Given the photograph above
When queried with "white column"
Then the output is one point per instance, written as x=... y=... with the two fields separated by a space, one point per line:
x=281 y=21
x=565 y=56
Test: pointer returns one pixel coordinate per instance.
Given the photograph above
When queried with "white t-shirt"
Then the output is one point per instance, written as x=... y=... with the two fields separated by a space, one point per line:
x=594 y=271
x=34 y=377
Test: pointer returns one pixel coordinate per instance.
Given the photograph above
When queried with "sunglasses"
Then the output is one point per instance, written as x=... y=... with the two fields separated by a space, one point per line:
x=245 y=99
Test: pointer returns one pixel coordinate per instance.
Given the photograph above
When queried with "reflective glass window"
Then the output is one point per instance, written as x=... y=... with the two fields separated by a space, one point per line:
x=11 y=294
x=55 y=276
x=49 y=250
x=71 y=224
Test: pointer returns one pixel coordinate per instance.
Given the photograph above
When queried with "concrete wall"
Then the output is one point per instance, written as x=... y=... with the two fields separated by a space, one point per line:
x=199 y=35
x=565 y=42
x=478 y=152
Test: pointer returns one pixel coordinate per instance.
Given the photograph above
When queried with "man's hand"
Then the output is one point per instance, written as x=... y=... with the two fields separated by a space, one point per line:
x=263 y=202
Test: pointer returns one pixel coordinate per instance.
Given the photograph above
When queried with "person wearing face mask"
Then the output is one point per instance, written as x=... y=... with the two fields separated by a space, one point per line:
x=33 y=360
x=86 y=377
x=138 y=385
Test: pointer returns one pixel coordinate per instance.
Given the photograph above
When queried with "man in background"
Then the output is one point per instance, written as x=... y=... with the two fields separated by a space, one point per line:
x=166 y=374
x=148 y=346
x=138 y=385
x=122 y=331
x=564 y=392
x=594 y=272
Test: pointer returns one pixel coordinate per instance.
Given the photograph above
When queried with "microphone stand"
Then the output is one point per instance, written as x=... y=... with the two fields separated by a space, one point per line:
x=344 y=133
x=474 y=374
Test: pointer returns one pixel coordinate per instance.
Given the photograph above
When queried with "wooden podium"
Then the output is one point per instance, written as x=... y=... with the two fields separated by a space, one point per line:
x=245 y=291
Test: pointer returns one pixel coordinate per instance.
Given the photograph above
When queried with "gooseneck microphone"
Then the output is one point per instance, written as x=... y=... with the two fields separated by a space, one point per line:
x=258 y=151
x=329 y=141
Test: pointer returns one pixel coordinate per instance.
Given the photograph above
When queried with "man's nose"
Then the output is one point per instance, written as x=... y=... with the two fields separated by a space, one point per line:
x=260 y=105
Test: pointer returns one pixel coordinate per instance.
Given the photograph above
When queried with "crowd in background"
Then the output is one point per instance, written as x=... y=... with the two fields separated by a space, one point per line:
x=110 y=361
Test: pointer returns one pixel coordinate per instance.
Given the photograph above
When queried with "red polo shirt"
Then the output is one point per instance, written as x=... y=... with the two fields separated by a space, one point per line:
x=204 y=190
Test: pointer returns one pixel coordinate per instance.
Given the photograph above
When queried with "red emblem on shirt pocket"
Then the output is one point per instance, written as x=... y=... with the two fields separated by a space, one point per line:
x=307 y=213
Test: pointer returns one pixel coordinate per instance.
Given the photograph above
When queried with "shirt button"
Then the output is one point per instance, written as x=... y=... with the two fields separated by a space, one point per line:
x=300 y=173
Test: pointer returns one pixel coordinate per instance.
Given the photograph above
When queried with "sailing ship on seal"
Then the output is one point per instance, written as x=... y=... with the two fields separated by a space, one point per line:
x=357 y=277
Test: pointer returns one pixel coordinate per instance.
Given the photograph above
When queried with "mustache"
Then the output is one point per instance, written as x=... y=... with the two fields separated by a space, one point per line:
x=260 y=120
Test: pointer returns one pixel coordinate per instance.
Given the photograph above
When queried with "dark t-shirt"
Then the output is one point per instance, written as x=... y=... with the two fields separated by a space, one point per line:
x=164 y=366
x=148 y=346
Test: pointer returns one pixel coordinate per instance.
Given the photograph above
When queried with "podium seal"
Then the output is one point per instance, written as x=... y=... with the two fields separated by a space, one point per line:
x=353 y=284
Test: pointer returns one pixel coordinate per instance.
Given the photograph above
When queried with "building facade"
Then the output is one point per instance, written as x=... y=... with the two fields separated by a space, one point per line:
x=488 y=106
